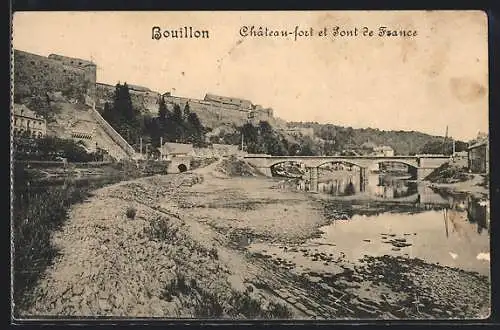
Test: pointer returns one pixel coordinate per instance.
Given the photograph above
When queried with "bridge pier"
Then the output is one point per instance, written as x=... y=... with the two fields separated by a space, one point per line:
x=266 y=171
x=313 y=176
x=363 y=178
x=423 y=172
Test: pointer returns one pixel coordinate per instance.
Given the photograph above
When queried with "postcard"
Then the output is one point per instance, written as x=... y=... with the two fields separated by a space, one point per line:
x=236 y=165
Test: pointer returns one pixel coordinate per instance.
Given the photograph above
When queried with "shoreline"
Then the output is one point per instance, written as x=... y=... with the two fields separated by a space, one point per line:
x=472 y=187
x=184 y=255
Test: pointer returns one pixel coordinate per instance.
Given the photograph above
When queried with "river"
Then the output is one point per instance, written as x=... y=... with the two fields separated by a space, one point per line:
x=392 y=216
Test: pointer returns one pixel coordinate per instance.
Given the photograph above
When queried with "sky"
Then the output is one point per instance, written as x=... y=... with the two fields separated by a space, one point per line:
x=426 y=82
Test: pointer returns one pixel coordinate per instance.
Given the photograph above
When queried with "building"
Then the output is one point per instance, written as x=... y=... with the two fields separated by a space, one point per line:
x=385 y=151
x=28 y=123
x=478 y=157
x=298 y=131
x=244 y=104
x=171 y=150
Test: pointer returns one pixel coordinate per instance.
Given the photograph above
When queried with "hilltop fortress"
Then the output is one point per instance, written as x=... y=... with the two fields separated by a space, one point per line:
x=37 y=76
x=213 y=110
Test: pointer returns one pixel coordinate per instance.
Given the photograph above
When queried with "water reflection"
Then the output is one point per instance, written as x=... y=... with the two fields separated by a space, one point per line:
x=455 y=234
x=397 y=216
x=349 y=183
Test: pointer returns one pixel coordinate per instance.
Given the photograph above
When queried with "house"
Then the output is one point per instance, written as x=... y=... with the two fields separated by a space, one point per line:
x=478 y=156
x=460 y=158
x=171 y=150
x=385 y=151
x=27 y=122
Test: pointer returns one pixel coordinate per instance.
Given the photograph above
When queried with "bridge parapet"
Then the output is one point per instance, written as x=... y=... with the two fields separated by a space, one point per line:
x=315 y=161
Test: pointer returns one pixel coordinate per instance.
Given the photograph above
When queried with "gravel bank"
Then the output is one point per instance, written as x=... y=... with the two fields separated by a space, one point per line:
x=155 y=265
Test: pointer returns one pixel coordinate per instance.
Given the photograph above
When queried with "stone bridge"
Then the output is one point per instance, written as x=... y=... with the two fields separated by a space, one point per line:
x=420 y=165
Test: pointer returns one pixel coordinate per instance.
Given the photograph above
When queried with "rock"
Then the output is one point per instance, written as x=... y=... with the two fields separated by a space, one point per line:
x=325 y=286
x=104 y=305
x=85 y=310
x=301 y=306
x=436 y=310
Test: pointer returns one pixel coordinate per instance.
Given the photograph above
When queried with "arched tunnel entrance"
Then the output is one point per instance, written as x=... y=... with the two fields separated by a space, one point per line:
x=182 y=168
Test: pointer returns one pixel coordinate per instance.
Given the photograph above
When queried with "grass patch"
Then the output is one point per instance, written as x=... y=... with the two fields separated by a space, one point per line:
x=210 y=305
x=37 y=212
x=161 y=230
x=131 y=212
x=448 y=173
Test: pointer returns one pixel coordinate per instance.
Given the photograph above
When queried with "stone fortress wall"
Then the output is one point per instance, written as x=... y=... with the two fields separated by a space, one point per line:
x=142 y=98
x=214 y=110
x=36 y=75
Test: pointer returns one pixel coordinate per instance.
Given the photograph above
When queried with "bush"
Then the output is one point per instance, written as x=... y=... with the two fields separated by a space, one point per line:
x=131 y=212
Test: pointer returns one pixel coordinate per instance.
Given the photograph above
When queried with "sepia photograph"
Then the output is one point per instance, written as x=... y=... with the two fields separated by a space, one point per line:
x=250 y=165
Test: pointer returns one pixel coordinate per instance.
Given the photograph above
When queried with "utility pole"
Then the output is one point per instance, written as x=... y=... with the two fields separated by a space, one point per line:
x=161 y=147
x=444 y=140
x=147 y=145
x=140 y=145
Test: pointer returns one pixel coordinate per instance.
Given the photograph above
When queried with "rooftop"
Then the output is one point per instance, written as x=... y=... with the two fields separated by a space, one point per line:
x=382 y=148
x=22 y=110
x=177 y=148
x=213 y=97
x=478 y=144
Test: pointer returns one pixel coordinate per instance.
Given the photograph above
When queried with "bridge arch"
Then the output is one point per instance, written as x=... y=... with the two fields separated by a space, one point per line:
x=411 y=164
x=340 y=161
x=273 y=166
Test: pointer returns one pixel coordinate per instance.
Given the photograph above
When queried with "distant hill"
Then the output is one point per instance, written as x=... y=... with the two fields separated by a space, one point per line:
x=403 y=142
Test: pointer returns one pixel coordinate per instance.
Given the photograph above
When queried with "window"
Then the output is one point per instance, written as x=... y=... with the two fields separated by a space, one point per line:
x=32 y=62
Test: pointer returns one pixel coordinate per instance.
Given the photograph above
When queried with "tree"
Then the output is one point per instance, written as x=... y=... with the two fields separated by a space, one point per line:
x=123 y=102
x=265 y=128
x=195 y=127
x=187 y=111
x=308 y=148
x=162 y=110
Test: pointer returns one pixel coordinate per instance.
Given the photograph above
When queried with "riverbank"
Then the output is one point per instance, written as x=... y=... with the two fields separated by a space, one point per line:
x=453 y=177
x=158 y=264
x=186 y=253
x=477 y=186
